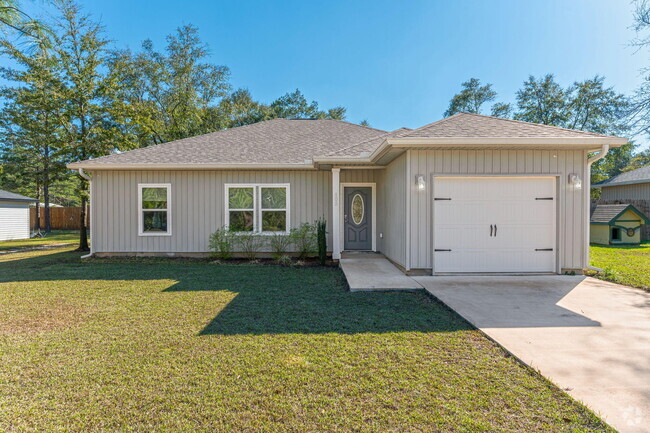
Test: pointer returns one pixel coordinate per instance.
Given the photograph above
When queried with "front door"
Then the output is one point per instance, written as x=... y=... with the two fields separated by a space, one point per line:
x=357 y=218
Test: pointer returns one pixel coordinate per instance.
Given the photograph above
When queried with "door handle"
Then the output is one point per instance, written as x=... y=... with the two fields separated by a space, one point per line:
x=345 y=218
x=491 y=228
x=495 y=230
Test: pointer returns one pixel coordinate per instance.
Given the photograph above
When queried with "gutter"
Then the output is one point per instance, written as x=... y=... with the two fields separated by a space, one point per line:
x=600 y=155
x=84 y=175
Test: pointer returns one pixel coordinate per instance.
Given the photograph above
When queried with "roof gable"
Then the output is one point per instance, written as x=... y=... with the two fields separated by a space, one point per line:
x=472 y=125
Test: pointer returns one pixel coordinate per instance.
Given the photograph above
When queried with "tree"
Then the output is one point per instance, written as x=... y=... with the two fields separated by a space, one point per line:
x=641 y=159
x=32 y=150
x=364 y=122
x=238 y=109
x=542 y=101
x=92 y=122
x=640 y=108
x=14 y=19
x=471 y=98
x=172 y=94
x=294 y=105
x=593 y=107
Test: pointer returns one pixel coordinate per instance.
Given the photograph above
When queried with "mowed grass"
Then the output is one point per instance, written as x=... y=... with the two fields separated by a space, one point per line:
x=623 y=264
x=190 y=346
x=58 y=237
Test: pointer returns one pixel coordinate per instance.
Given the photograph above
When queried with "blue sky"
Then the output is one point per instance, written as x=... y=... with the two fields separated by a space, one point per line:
x=394 y=63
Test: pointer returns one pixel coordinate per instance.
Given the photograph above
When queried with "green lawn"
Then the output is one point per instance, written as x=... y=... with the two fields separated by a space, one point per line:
x=59 y=237
x=191 y=346
x=629 y=265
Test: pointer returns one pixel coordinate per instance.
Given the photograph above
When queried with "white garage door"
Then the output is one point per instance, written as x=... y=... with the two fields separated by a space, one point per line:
x=494 y=224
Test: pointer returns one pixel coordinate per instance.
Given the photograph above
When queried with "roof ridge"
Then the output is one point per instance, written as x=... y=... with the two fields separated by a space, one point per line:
x=357 y=144
x=444 y=119
x=389 y=133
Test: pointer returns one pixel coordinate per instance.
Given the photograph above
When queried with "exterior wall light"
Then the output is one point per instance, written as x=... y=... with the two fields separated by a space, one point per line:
x=575 y=181
x=419 y=181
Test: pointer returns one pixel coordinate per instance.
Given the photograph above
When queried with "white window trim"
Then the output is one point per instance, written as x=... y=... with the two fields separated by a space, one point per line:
x=257 y=206
x=141 y=231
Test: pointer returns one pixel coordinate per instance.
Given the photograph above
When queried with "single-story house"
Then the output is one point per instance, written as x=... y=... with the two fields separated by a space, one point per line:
x=633 y=188
x=468 y=193
x=14 y=216
x=617 y=224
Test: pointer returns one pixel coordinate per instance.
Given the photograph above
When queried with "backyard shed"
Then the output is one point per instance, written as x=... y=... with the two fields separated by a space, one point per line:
x=616 y=224
x=14 y=216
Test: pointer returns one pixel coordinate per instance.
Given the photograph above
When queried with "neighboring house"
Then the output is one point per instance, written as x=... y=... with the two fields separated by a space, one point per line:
x=14 y=216
x=633 y=188
x=617 y=224
x=468 y=193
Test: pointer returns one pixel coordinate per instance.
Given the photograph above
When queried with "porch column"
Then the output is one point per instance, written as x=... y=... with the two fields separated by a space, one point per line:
x=336 y=214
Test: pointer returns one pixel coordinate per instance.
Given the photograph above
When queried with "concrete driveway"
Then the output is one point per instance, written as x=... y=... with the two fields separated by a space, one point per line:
x=590 y=337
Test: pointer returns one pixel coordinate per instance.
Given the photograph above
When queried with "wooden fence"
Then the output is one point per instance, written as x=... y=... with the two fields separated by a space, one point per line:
x=61 y=218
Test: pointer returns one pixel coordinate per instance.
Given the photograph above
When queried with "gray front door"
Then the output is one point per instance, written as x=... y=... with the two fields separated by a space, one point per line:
x=357 y=218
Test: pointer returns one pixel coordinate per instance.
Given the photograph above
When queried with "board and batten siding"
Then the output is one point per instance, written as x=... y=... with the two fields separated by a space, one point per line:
x=635 y=194
x=197 y=206
x=391 y=207
x=571 y=203
x=14 y=220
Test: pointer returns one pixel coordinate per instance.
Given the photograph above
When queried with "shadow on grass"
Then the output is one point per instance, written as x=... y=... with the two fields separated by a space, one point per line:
x=269 y=299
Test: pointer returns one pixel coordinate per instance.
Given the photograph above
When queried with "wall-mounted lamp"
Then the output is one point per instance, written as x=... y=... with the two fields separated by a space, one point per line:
x=419 y=181
x=575 y=181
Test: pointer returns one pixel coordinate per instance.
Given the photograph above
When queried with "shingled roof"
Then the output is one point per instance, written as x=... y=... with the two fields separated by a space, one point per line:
x=479 y=126
x=296 y=142
x=277 y=141
x=10 y=196
x=640 y=175
x=605 y=213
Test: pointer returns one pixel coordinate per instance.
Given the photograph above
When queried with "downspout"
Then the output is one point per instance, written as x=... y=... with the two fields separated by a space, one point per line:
x=600 y=155
x=83 y=174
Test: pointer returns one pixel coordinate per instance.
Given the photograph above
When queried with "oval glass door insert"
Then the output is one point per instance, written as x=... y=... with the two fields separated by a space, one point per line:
x=358 y=209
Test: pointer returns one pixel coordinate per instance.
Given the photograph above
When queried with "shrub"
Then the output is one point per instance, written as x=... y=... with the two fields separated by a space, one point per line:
x=249 y=244
x=304 y=238
x=221 y=244
x=321 y=229
x=284 y=260
x=279 y=243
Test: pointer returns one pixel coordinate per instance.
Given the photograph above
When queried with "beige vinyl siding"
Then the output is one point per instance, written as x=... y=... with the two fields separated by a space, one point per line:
x=197 y=206
x=571 y=203
x=391 y=206
x=14 y=220
x=637 y=195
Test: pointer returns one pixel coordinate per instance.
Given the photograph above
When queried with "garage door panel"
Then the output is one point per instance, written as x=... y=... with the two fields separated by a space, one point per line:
x=523 y=224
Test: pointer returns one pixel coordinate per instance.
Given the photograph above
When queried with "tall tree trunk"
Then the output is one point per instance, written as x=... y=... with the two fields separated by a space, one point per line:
x=83 y=230
x=46 y=189
x=37 y=223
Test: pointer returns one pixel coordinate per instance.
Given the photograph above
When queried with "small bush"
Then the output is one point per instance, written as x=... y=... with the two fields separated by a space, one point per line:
x=304 y=239
x=249 y=244
x=283 y=260
x=279 y=243
x=321 y=229
x=221 y=244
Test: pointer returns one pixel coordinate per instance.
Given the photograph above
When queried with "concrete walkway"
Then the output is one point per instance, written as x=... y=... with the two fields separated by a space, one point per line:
x=590 y=337
x=371 y=271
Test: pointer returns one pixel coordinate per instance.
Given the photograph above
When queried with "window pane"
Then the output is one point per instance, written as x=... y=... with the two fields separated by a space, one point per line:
x=240 y=198
x=241 y=221
x=274 y=198
x=154 y=198
x=274 y=221
x=154 y=221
